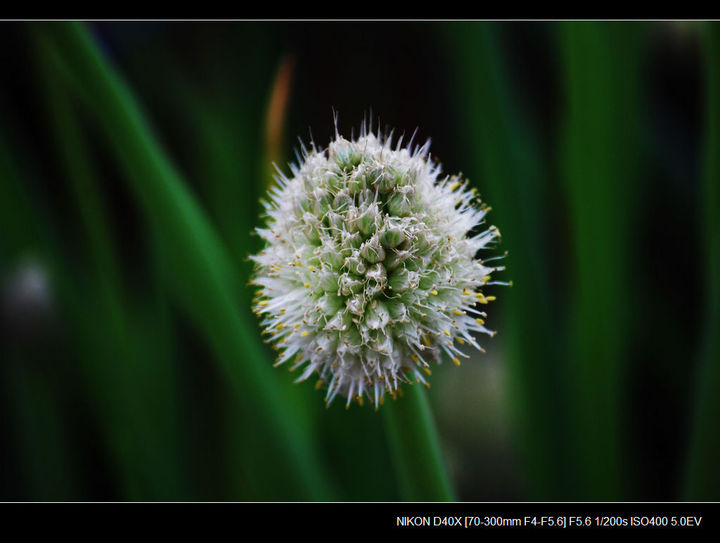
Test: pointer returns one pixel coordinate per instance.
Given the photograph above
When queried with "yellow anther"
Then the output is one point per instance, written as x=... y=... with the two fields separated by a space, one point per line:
x=307 y=285
x=305 y=333
x=414 y=357
x=311 y=268
x=461 y=341
x=296 y=326
x=456 y=361
x=455 y=186
x=447 y=333
x=456 y=312
x=434 y=292
x=480 y=321
x=427 y=370
x=490 y=298
x=319 y=384
x=466 y=292
x=264 y=303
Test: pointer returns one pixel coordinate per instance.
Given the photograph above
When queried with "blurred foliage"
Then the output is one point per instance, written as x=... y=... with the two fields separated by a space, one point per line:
x=132 y=160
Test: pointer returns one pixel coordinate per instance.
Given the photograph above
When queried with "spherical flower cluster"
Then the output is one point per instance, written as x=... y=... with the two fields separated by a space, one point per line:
x=370 y=270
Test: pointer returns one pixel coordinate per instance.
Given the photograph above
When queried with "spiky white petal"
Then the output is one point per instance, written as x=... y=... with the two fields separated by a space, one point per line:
x=370 y=269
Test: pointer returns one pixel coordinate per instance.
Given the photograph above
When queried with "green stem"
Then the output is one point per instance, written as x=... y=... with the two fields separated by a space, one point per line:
x=414 y=444
x=703 y=470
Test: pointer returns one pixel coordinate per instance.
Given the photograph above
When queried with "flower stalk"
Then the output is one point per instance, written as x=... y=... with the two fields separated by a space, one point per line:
x=414 y=443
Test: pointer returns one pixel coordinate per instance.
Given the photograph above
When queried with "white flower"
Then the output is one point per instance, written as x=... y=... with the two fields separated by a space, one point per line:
x=371 y=269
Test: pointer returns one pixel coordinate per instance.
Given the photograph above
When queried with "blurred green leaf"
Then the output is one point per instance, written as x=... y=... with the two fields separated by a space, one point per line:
x=202 y=276
x=510 y=174
x=128 y=358
x=600 y=149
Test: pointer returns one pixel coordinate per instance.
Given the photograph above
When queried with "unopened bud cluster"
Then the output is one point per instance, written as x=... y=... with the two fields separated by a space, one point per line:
x=370 y=270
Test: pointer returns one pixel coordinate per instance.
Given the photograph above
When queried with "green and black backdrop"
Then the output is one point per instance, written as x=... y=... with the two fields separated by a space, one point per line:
x=133 y=157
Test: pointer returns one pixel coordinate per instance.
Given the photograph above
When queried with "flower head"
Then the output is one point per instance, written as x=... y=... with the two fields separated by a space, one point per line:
x=370 y=271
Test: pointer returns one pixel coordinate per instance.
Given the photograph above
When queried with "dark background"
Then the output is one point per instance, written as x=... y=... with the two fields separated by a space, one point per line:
x=589 y=140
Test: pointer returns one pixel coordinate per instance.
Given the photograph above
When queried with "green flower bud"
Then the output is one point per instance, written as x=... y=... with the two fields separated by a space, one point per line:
x=372 y=251
x=392 y=235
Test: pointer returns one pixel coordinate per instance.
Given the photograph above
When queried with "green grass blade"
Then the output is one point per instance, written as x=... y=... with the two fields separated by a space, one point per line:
x=144 y=368
x=599 y=155
x=203 y=277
